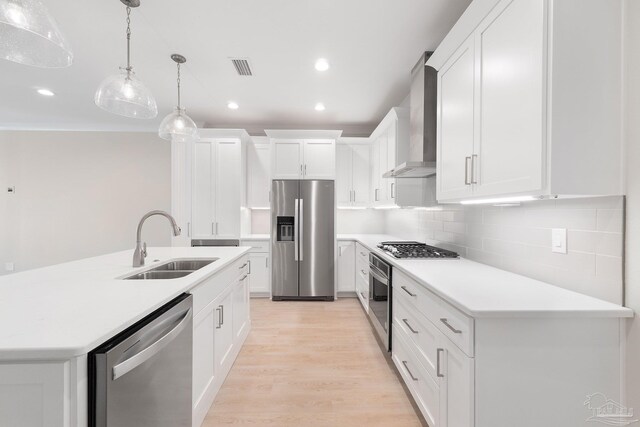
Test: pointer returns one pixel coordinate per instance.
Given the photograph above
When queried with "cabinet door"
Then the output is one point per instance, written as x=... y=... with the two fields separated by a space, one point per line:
x=286 y=159
x=375 y=172
x=456 y=103
x=259 y=277
x=319 y=159
x=203 y=213
x=346 y=266
x=392 y=161
x=361 y=174
x=227 y=195
x=240 y=306
x=224 y=329
x=344 y=172
x=509 y=151
x=258 y=175
x=204 y=366
x=456 y=389
x=383 y=147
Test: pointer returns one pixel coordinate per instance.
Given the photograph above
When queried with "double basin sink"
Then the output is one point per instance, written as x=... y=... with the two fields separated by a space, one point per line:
x=173 y=269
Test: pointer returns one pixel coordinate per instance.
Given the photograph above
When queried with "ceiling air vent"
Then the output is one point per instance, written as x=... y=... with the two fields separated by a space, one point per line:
x=242 y=66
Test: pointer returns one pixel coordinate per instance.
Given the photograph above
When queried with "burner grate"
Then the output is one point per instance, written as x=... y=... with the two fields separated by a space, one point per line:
x=416 y=250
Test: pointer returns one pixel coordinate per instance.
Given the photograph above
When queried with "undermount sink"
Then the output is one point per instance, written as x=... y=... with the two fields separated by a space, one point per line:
x=172 y=269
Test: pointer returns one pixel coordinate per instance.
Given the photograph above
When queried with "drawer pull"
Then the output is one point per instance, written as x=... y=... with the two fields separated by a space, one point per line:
x=404 y=288
x=454 y=330
x=363 y=272
x=409 y=326
x=404 y=362
x=363 y=254
x=440 y=350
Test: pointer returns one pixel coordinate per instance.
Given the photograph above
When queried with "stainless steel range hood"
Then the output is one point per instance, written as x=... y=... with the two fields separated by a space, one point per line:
x=423 y=120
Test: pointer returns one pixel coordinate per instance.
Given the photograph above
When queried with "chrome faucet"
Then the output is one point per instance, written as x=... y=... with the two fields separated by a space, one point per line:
x=140 y=252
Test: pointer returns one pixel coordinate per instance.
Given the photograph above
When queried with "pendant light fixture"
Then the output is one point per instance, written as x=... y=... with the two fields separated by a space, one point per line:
x=30 y=36
x=123 y=93
x=177 y=125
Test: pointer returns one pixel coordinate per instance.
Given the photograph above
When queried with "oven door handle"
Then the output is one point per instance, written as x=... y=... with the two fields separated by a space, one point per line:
x=375 y=272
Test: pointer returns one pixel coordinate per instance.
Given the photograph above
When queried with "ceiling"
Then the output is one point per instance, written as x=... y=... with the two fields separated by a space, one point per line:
x=371 y=46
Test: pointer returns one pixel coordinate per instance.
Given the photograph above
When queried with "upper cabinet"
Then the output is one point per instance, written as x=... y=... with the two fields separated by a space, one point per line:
x=216 y=189
x=517 y=113
x=303 y=158
x=352 y=172
x=258 y=164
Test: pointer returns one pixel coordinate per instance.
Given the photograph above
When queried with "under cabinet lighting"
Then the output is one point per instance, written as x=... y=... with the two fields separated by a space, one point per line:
x=386 y=207
x=254 y=208
x=500 y=200
x=233 y=105
x=352 y=208
x=320 y=106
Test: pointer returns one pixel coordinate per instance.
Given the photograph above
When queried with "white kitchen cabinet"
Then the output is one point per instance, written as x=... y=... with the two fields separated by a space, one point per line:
x=259 y=278
x=204 y=365
x=303 y=158
x=514 y=116
x=241 y=306
x=390 y=142
x=216 y=189
x=258 y=174
x=347 y=266
x=224 y=336
x=352 y=172
x=456 y=385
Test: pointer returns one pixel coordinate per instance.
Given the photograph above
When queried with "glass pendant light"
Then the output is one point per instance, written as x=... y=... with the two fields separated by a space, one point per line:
x=123 y=93
x=177 y=126
x=30 y=36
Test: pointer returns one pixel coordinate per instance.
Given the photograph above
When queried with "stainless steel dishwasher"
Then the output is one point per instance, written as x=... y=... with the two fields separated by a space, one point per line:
x=142 y=377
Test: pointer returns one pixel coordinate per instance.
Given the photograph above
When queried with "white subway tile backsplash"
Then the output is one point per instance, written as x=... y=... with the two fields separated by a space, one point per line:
x=518 y=239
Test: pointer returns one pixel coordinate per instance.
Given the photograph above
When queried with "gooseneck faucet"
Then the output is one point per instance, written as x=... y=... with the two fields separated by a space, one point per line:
x=140 y=252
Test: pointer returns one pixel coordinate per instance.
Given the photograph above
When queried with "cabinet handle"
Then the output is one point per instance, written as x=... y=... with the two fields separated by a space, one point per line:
x=213 y=228
x=300 y=168
x=438 y=351
x=305 y=169
x=363 y=272
x=249 y=262
x=466 y=171
x=243 y=265
x=222 y=312
x=354 y=196
x=216 y=228
x=406 y=322
x=404 y=288
x=362 y=253
x=266 y=262
x=376 y=195
x=219 y=318
x=448 y=325
x=188 y=229
x=473 y=169
x=393 y=194
x=245 y=276
x=404 y=362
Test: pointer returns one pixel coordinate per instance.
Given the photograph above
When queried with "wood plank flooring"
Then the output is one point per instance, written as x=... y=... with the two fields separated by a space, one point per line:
x=313 y=364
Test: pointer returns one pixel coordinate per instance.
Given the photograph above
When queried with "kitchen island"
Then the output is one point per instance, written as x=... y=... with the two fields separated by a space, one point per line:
x=54 y=316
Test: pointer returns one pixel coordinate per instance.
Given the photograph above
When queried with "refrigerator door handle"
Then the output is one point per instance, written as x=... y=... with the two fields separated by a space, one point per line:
x=296 y=228
x=301 y=244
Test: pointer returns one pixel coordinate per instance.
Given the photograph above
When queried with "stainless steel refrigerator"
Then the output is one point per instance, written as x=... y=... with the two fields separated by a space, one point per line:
x=302 y=240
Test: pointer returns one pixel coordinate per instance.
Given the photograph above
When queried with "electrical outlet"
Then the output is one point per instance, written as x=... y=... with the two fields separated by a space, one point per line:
x=559 y=240
x=9 y=266
x=11 y=190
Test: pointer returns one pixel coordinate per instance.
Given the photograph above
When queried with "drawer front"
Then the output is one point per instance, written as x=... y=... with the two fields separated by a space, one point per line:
x=209 y=290
x=362 y=289
x=452 y=322
x=362 y=269
x=419 y=332
x=458 y=327
x=422 y=386
x=257 y=245
x=362 y=253
x=415 y=295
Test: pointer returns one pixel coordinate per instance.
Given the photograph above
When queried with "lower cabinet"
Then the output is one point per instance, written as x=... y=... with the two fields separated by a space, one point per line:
x=260 y=277
x=219 y=330
x=346 y=266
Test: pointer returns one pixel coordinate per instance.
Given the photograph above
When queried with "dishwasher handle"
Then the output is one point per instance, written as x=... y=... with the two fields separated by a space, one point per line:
x=139 y=358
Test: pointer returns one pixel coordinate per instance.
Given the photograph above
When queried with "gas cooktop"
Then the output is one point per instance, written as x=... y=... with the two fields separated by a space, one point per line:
x=415 y=250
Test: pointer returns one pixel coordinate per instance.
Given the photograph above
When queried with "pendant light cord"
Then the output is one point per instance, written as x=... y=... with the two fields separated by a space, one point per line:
x=128 y=38
x=178 y=85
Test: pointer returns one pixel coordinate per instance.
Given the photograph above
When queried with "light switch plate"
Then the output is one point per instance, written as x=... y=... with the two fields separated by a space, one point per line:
x=8 y=266
x=559 y=240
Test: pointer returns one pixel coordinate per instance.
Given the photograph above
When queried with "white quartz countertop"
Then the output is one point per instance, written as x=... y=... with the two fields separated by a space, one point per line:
x=480 y=290
x=66 y=310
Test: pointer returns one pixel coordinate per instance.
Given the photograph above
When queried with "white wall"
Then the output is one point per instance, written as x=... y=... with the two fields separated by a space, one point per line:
x=80 y=194
x=518 y=239
x=632 y=121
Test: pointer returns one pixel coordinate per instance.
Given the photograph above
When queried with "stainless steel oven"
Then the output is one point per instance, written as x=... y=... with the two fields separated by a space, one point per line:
x=380 y=298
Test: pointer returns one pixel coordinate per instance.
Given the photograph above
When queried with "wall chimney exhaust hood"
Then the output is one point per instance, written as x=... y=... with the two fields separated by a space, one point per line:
x=423 y=120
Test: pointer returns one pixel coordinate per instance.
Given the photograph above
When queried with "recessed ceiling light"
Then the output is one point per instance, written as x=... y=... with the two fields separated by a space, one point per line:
x=322 y=64
x=233 y=105
x=320 y=106
x=45 y=92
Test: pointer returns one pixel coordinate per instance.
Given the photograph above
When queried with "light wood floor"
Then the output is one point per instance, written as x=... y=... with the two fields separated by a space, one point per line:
x=311 y=364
